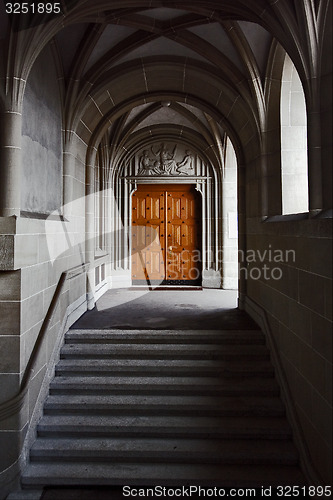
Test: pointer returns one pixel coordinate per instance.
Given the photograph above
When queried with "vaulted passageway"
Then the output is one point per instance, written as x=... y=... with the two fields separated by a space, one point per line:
x=107 y=97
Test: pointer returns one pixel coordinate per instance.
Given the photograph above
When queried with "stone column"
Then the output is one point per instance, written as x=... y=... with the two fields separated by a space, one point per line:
x=90 y=233
x=68 y=176
x=10 y=161
x=242 y=246
x=315 y=167
x=108 y=224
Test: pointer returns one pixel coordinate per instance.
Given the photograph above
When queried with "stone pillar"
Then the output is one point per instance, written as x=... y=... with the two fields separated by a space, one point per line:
x=242 y=230
x=315 y=166
x=108 y=225
x=90 y=228
x=68 y=176
x=10 y=161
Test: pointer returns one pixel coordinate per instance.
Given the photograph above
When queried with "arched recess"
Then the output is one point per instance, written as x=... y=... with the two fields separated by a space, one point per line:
x=294 y=154
x=149 y=81
x=271 y=173
x=203 y=174
x=285 y=176
x=243 y=142
x=209 y=178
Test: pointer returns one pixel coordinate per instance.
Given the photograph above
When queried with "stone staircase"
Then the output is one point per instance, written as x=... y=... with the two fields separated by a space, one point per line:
x=173 y=408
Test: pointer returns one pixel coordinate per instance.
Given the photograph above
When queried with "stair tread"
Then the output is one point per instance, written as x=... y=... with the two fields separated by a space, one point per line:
x=211 y=424
x=166 y=336
x=25 y=495
x=158 y=351
x=154 y=473
x=141 y=380
x=157 y=400
x=164 y=405
x=157 y=333
x=168 y=363
x=198 y=383
x=201 y=348
x=194 y=450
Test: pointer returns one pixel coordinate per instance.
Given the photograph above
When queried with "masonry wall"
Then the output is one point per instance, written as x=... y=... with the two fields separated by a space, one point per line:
x=42 y=139
x=299 y=311
x=35 y=250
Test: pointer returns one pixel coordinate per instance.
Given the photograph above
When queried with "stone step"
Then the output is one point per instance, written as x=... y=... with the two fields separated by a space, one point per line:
x=165 y=337
x=163 y=386
x=157 y=367
x=177 y=351
x=152 y=407
x=164 y=405
x=155 y=426
x=25 y=495
x=99 y=474
x=179 y=451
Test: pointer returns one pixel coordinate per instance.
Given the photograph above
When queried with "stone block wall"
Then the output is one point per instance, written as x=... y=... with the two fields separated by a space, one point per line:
x=29 y=291
x=41 y=186
x=299 y=310
x=36 y=248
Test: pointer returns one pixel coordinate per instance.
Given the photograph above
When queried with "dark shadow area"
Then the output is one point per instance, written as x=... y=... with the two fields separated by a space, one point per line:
x=131 y=309
x=98 y=493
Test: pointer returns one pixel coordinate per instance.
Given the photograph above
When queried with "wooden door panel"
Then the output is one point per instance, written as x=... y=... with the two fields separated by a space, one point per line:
x=165 y=234
x=175 y=232
x=156 y=206
x=184 y=228
x=175 y=206
x=173 y=270
x=191 y=208
x=191 y=235
x=141 y=203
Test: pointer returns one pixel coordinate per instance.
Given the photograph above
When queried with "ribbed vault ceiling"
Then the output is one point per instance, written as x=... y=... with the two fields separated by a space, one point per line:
x=233 y=51
x=133 y=66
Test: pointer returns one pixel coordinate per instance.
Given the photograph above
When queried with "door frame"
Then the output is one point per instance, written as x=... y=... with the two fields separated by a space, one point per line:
x=211 y=221
x=208 y=181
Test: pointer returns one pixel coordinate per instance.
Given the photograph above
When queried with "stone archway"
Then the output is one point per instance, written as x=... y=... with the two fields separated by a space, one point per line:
x=185 y=167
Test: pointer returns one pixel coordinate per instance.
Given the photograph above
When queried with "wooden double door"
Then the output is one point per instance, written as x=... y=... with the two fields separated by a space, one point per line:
x=166 y=235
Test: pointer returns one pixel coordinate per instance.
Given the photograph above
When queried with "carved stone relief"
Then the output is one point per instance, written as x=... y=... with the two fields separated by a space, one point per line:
x=162 y=160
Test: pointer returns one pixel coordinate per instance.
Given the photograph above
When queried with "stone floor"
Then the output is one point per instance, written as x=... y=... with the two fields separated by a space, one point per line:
x=169 y=309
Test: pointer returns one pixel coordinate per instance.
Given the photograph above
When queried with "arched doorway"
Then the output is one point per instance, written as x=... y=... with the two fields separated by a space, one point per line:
x=187 y=180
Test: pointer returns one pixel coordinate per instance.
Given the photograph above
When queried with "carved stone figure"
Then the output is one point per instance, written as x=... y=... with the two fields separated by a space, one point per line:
x=186 y=166
x=164 y=162
x=167 y=161
x=147 y=166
